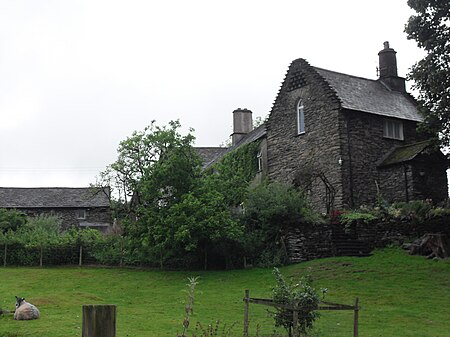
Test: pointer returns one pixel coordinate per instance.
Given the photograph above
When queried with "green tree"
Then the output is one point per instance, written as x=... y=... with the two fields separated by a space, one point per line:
x=203 y=221
x=11 y=219
x=41 y=232
x=154 y=166
x=430 y=27
x=7 y=239
x=156 y=169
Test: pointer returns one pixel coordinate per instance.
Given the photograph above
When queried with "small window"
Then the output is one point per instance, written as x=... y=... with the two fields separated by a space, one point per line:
x=393 y=129
x=80 y=214
x=300 y=118
x=259 y=158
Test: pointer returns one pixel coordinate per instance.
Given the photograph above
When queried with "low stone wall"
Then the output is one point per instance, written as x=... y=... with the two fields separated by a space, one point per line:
x=378 y=234
x=309 y=242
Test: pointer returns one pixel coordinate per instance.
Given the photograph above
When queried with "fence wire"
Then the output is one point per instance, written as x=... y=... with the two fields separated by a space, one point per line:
x=18 y=255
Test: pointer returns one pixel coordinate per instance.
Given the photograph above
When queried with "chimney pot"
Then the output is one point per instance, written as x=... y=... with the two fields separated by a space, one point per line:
x=388 y=69
x=242 y=124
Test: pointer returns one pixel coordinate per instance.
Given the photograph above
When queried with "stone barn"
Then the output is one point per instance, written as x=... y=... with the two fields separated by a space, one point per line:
x=79 y=207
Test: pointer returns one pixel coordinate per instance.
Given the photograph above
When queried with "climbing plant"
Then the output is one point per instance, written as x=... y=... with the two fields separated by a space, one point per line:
x=234 y=172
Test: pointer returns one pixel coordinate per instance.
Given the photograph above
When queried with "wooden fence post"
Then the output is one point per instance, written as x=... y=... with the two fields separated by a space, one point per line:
x=246 y=305
x=80 y=256
x=99 y=321
x=295 y=321
x=4 y=256
x=356 y=317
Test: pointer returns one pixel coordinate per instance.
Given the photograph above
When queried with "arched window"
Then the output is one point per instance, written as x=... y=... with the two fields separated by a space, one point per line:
x=300 y=118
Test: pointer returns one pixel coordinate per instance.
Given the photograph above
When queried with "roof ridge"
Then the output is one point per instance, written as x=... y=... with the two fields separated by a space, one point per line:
x=350 y=75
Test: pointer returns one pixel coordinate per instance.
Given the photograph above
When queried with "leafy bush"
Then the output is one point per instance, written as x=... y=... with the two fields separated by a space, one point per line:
x=11 y=219
x=417 y=210
x=351 y=217
x=268 y=211
x=439 y=211
x=301 y=295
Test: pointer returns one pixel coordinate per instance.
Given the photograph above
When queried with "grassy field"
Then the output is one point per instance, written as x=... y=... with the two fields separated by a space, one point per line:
x=400 y=295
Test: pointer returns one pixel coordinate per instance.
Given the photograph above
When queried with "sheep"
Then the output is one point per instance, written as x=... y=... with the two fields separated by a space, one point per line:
x=25 y=310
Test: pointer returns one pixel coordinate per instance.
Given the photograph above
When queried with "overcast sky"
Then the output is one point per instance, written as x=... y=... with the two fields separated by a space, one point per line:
x=77 y=77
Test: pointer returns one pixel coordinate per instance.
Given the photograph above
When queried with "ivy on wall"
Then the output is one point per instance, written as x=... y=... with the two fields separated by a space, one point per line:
x=234 y=172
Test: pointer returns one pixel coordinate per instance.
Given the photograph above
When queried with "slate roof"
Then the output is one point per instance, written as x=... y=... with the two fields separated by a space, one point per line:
x=372 y=96
x=404 y=153
x=209 y=154
x=53 y=197
x=250 y=137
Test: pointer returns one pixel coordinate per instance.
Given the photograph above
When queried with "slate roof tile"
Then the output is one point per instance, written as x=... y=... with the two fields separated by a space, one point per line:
x=54 y=197
x=372 y=96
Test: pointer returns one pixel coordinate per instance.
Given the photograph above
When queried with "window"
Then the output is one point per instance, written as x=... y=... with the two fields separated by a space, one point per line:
x=393 y=129
x=80 y=214
x=300 y=118
x=259 y=158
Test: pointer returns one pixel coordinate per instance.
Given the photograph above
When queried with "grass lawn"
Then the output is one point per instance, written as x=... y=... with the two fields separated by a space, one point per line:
x=400 y=295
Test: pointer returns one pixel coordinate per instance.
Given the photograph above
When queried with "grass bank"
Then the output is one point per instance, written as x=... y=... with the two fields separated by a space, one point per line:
x=400 y=295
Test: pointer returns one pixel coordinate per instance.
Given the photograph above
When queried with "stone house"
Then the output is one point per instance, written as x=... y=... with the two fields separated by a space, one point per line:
x=79 y=207
x=345 y=139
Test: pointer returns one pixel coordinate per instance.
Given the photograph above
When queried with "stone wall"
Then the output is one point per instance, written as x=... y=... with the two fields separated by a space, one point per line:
x=315 y=151
x=99 y=215
x=363 y=148
x=429 y=178
x=396 y=183
x=310 y=242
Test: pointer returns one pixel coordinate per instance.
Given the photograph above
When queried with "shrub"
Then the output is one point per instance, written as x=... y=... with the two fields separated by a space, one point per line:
x=11 y=220
x=269 y=210
x=352 y=217
x=417 y=210
x=302 y=295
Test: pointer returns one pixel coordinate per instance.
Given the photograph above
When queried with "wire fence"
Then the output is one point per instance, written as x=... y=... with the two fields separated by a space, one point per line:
x=19 y=255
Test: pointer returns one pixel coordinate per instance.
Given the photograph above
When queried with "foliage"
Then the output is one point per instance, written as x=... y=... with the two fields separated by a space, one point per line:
x=154 y=166
x=232 y=175
x=41 y=231
x=112 y=250
x=214 y=330
x=11 y=219
x=430 y=27
x=202 y=220
x=154 y=169
x=269 y=210
x=439 y=212
x=301 y=295
x=81 y=236
x=348 y=218
x=189 y=307
x=176 y=214
x=416 y=210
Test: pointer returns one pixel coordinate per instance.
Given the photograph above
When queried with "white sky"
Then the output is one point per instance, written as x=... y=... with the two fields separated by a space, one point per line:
x=77 y=77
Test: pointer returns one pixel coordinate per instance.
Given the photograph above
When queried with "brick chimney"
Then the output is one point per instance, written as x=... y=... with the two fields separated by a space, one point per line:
x=242 y=124
x=388 y=69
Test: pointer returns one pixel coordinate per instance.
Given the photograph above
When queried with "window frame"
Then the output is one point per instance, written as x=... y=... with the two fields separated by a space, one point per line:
x=393 y=129
x=300 y=117
x=259 y=160
x=81 y=214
